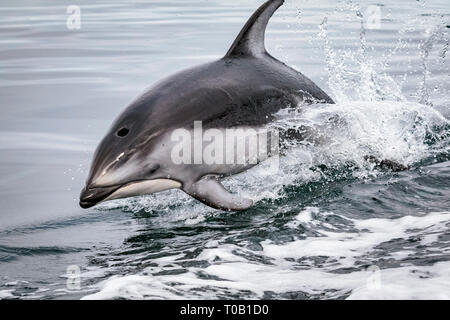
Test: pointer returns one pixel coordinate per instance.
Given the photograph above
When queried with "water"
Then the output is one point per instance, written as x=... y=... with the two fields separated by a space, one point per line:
x=329 y=224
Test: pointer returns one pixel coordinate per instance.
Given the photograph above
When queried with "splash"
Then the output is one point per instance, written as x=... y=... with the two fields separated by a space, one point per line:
x=372 y=119
x=433 y=34
x=352 y=75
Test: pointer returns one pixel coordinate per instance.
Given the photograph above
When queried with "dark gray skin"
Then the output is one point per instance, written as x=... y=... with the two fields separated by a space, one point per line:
x=243 y=89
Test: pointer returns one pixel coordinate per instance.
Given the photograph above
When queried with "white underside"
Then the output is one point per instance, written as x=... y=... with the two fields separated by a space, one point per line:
x=144 y=187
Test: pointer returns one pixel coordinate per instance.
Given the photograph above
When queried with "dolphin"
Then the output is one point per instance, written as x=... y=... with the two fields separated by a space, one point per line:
x=244 y=89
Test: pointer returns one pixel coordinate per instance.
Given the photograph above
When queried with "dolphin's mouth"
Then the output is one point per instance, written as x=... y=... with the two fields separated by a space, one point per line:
x=92 y=196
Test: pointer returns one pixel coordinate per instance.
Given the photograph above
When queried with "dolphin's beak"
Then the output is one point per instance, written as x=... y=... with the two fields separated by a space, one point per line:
x=91 y=196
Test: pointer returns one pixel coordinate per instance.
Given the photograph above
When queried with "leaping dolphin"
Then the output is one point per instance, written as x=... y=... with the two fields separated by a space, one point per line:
x=243 y=89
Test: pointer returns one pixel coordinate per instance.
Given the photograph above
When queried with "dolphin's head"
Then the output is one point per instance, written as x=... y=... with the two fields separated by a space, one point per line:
x=125 y=164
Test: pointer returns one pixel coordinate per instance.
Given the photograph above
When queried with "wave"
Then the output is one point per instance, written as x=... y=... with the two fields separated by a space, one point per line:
x=339 y=259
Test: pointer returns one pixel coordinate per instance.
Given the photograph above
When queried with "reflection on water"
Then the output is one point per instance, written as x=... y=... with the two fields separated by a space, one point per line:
x=317 y=226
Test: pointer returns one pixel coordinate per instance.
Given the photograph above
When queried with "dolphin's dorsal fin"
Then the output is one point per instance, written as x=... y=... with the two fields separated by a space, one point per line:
x=250 y=40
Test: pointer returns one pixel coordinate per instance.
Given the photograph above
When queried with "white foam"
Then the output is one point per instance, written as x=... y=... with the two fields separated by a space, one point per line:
x=4 y=294
x=347 y=247
x=424 y=283
x=290 y=267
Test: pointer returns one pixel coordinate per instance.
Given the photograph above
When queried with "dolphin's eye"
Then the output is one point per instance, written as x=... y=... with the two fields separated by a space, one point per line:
x=153 y=169
x=123 y=132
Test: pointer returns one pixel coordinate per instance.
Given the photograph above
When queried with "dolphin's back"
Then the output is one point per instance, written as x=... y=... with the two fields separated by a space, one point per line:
x=245 y=87
x=228 y=92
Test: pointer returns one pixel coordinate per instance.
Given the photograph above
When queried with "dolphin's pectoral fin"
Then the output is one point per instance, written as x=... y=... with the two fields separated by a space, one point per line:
x=211 y=192
x=250 y=40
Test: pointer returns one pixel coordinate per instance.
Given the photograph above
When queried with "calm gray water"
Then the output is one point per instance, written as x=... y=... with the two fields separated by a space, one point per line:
x=328 y=225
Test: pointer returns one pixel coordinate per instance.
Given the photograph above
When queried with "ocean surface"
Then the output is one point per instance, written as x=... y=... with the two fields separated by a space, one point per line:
x=328 y=225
